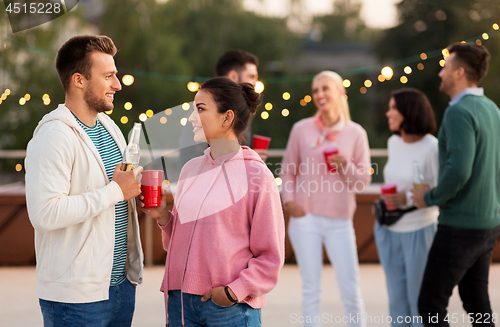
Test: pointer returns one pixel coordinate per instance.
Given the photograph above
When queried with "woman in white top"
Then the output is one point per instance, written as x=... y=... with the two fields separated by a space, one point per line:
x=403 y=246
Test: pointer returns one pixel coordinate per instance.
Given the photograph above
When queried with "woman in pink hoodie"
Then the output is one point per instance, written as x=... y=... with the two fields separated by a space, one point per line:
x=225 y=236
x=327 y=160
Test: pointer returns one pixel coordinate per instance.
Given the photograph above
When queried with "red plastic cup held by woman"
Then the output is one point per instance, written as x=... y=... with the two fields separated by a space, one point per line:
x=151 y=187
x=328 y=152
x=261 y=142
x=389 y=189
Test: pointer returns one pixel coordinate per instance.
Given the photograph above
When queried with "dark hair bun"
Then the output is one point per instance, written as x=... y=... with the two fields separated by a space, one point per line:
x=253 y=98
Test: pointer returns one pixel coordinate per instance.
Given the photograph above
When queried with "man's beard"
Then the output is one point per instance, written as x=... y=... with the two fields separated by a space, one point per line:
x=94 y=103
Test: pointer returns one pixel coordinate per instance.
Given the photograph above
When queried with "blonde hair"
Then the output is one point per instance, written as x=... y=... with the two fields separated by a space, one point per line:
x=338 y=82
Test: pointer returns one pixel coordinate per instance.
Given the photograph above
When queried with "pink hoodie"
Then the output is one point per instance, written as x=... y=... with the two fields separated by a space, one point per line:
x=227 y=228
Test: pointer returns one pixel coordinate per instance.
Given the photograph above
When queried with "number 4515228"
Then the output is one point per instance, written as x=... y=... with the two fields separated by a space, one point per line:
x=34 y=8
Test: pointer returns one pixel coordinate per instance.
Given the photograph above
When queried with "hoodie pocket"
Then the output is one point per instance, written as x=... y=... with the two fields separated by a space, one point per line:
x=82 y=268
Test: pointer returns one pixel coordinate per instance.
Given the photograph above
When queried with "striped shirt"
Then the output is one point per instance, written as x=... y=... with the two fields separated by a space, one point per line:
x=110 y=156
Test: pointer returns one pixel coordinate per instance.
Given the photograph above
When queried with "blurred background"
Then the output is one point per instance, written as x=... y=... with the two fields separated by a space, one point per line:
x=166 y=44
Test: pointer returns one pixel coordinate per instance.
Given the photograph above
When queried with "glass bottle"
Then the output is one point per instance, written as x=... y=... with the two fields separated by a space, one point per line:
x=418 y=178
x=132 y=153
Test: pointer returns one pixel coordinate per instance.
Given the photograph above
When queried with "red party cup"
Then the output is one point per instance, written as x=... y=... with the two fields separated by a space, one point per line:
x=261 y=142
x=328 y=152
x=151 y=187
x=389 y=189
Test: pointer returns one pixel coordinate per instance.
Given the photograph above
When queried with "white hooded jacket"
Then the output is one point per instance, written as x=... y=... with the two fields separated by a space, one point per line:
x=71 y=205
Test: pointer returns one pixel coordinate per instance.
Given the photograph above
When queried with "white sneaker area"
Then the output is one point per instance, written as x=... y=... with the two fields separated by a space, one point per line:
x=19 y=304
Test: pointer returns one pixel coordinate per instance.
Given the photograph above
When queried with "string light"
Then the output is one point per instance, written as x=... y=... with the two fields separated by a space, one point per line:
x=286 y=96
x=163 y=120
x=193 y=86
x=22 y=101
x=149 y=113
x=264 y=115
x=165 y=183
x=124 y=120
x=441 y=62
x=307 y=98
x=143 y=117
x=485 y=36
x=46 y=101
x=363 y=90
x=259 y=87
x=184 y=121
x=285 y=112
x=445 y=53
x=403 y=79
x=381 y=78
x=478 y=42
x=19 y=167
x=496 y=27
x=127 y=105
x=303 y=103
x=387 y=72
x=7 y=92
x=279 y=181
x=128 y=80
x=168 y=112
x=109 y=112
x=423 y=56
x=27 y=96
x=4 y=96
x=420 y=66
x=407 y=70
x=186 y=106
x=346 y=83
x=268 y=106
x=45 y=96
x=368 y=83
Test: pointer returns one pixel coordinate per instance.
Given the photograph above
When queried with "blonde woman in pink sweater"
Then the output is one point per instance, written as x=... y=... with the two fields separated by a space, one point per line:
x=320 y=198
x=225 y=236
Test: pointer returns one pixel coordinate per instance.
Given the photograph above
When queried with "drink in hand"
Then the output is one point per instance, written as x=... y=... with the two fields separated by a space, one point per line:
x=418 y=178
x=132 y=153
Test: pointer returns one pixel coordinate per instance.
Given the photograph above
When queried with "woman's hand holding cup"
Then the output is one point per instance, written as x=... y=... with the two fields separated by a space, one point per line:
x=159 y=213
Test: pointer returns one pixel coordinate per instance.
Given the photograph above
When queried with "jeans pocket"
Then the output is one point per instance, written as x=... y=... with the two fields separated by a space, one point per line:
x=221 y=306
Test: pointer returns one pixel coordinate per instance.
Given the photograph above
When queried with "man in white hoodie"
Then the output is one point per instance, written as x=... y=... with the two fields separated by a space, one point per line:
x=89 y=255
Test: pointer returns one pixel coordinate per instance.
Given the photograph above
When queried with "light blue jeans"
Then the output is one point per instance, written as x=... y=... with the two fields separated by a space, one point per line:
x=308 y=234
x=209 y=313
x=404 y=257
x=117 y=311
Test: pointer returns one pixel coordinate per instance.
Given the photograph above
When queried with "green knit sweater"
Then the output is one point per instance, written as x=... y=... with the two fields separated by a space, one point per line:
x=468 y=190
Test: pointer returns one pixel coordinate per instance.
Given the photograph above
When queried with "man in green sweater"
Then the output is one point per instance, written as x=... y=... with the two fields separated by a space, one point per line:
x=468 y=194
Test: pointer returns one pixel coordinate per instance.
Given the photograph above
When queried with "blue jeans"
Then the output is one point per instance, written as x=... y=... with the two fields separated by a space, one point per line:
x=117 y=311
x=403 y=256
x=198 y=313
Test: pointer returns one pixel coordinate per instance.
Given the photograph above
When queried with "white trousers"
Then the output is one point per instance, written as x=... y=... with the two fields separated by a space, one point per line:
x=307 y=235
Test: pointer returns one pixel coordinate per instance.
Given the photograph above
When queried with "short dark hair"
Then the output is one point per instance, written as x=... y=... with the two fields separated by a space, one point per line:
x=74 y=56
x=241 y=98
x=234 y=60
x=417 y=112
x=473 y=58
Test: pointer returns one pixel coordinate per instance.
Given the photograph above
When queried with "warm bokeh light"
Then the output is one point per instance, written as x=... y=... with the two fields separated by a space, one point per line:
x=149 y=113
x=143 y=117
x=368 y=83
x=124 y=120
x=404 y=79
x=264 y=115
x=163 y=120
x=165 y=183
x=109 y=112
x=307 y=98
x=478 y=42
x=445 y=53
x=286 y=96
x=27 y=96
x=485 y=36
x=184 y=121
x=441 y=62
x=303 y=102
x=381 y=78
x=259 y=87
x=45 y=96
x=268 y=106
x=19 y=167
x=193 y=86
x=496 y=27
x=127 y=106
x=423 y=56
x=128 y=80
x=372 y=171
x=407 y=70
x=346 y=83
x=420 y=66
x=7 y=92
x=186 y=106
x=46 y=101
x=363 y=90
x=285 y=112
x=279 y=181
x=22 y=101
x=168 y=112
x=4 y=96
x=387 y=72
